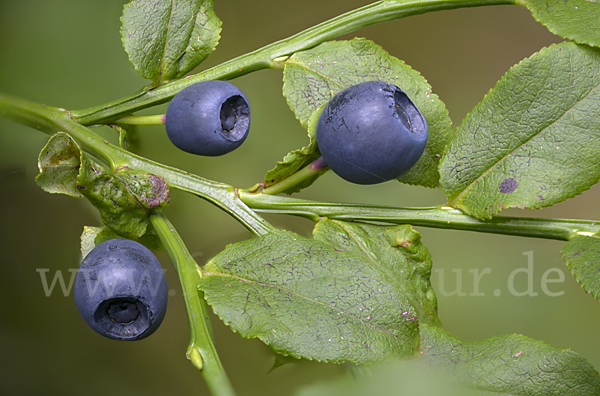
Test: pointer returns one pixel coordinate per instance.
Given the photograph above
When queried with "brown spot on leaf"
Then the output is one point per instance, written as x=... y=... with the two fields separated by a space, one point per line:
x=160 y=192
x=508 y=185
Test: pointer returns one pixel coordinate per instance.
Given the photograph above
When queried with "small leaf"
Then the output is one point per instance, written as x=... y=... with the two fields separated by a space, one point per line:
x=59 y=165
x=124 y=198
x=510 y=365
x=167 y=39
x=298 y=159
x=281 y=361
x=94 y=236
x=313 y=77
x=327 y=301
x=87 y=239
x=118 y=207
x=578 y=20
x=533 y=141
x=582 y=256
x=128 y=136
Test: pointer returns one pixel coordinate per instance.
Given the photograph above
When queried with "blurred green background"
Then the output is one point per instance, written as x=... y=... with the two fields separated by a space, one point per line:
x=67 y=53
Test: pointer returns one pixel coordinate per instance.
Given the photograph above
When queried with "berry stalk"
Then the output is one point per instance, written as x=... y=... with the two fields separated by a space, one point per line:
x=142 y=120
x=314 y=168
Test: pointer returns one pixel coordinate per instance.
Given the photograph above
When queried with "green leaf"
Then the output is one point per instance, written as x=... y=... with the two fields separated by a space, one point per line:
x=578 y=20
x=281 y=361
x=534 y=139
x=582 y=256
x=124 y=198
x=149 y=190
x=94 y=236
x=323 y=300
x=167 y=39
x=397 y=252
x=313 y=77
x=88 y=237
x=58 y=163
x=298 y=159
x=118 y=207
x=510 y=364
x=128 y=136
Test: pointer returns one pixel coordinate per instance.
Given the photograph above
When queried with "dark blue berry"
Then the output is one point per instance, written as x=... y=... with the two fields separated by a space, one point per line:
x=371 y=133
x=208 y=118
x=120 y=290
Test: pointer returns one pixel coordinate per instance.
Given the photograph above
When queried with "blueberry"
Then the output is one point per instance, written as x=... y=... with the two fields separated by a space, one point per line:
x=208 y=118
x=371 y=133
x=120 y=290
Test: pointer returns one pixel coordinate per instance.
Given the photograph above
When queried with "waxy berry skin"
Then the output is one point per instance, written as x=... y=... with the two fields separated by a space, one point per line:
x=209 y=118
x=120 y=290
x=371 y=133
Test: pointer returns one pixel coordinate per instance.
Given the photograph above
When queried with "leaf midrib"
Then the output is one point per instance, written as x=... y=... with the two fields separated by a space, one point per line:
x=167 y=34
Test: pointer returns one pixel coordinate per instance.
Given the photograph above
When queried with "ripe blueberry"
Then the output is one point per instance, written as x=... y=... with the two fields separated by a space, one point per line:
x=371 y=133
x=208 y=118
x=120 y=290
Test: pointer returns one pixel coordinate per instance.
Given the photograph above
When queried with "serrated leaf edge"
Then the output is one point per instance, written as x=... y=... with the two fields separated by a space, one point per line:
x=497 y=208
x=596 y=295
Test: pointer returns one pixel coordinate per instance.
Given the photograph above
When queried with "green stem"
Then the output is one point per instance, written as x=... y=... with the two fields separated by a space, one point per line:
x=142 y=120
x=313 y=169
x=436 y=217
x=201 y=350
x=51 y=120
x=272 y=55
x=239 y=203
